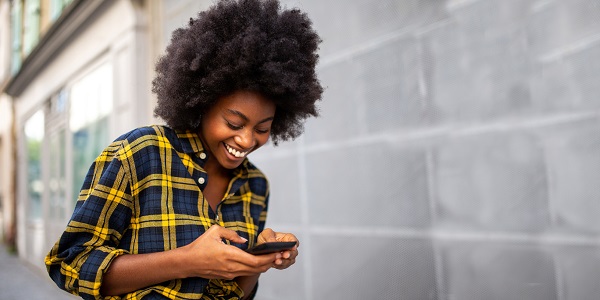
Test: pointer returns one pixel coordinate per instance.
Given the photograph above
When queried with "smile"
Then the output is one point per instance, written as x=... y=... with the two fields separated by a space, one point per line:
x=234 y=152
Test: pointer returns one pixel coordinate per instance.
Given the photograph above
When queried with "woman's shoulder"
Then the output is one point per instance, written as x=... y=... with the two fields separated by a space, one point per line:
x=256 y=178
x=144 y=145
x=150 y=132
x=146 y=137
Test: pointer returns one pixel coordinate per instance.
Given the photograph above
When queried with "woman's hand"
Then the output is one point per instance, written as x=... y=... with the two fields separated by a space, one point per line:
x=206 y=257
x=288 y=257
x=210 y=258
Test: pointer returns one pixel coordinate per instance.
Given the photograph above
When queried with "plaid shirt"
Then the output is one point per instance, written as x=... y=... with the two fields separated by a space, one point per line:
x=144 y=194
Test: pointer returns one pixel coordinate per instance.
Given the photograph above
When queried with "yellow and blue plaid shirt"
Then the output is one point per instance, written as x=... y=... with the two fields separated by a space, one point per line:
x=144 y=194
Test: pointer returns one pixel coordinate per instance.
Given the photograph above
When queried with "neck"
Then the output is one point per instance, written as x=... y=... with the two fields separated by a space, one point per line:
x=214 y=168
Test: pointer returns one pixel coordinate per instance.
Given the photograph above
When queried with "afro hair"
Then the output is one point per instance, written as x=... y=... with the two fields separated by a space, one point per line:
x=236 y=45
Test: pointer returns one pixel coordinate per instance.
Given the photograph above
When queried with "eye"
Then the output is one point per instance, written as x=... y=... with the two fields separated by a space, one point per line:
x=262 y=131
x=233 y=126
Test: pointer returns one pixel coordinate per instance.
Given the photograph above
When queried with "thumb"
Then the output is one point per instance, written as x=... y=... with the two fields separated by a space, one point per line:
x=229 y=235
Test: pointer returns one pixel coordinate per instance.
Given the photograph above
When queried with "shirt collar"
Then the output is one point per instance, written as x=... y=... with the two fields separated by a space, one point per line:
x=190 y=142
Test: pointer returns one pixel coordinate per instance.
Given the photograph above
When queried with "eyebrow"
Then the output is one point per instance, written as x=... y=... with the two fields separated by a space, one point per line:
x=241 y=115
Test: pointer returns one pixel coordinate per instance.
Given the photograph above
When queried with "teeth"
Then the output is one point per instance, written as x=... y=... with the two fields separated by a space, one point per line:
x=235 y=152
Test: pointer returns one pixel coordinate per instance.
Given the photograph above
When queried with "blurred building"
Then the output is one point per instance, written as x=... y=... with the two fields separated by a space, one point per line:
x=75 y=75
x=456 y=157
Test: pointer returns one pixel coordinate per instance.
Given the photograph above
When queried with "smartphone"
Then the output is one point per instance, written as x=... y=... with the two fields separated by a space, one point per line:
x=271 y=247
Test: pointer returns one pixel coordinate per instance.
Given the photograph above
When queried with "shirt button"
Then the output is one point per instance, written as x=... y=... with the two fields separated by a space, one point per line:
x=202 y=155
x=201 y=180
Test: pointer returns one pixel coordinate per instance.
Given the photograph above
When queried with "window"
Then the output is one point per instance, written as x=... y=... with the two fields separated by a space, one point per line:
x=56 y=8
x=16 y=29
x=91 y=105
x=57 y=163
x=31 y=25
x=29 y=20
x=34 y=137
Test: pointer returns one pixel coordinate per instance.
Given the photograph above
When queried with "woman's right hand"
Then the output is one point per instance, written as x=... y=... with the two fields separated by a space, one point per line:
x=208 y=257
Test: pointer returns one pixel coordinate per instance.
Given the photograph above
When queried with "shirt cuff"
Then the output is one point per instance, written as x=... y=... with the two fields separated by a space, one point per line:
x=94 y=267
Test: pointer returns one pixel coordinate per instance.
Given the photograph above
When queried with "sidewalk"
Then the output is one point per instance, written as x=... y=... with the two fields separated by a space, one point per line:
x=18 y=280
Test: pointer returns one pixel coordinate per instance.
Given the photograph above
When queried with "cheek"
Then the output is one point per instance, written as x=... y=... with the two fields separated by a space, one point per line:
x=218 y=131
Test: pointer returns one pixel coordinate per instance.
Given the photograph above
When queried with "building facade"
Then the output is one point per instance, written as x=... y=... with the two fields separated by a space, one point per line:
x=71 y=88
x=456 y=155
x=76 y=76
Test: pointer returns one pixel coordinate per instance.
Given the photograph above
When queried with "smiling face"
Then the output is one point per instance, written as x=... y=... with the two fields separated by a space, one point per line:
x=235 y=126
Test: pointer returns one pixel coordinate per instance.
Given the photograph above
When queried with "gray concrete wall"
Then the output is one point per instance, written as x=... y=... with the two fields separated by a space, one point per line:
x=457 y=155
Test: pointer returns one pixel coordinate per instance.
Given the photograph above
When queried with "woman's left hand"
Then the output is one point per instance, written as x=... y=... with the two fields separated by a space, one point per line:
x=288 y=257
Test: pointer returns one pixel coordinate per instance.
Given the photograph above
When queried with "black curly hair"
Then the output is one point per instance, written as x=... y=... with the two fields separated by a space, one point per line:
x=236 y=45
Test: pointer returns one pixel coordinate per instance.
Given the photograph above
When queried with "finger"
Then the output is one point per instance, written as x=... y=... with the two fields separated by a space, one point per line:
x=287 y=258
x=290 y=254
x=256 y=261
x=267 y=235
x=283 y=264
x=287 y=237
x=245 y=264
x=228 y=234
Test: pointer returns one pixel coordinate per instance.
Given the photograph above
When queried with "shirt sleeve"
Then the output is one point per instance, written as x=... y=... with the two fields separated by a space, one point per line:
x=103 y=212
x=263 y=215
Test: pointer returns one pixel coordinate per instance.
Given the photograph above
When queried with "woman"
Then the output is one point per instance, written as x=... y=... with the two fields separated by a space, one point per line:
x=166 y=212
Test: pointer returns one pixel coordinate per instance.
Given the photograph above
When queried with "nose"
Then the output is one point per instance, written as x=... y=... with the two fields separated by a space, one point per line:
x=245 y=139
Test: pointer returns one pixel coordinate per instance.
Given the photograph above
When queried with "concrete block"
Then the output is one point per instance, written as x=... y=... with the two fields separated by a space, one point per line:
x=579 y=269
x=478 y=71
x=497 y=271
x=354 y=22
x=392 y=98
x=375 y=92
x=372 y=268
x=492 y=182
x=339 y=110
x=557 y=26
x=584 y=66
x=553 y=89
x=373 y=185
x=573 y=160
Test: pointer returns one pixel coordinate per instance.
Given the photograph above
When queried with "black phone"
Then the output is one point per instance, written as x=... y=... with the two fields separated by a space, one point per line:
x=271 y=247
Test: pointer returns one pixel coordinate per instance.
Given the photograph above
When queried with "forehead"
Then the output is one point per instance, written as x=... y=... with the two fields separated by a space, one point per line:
x=247 y=103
